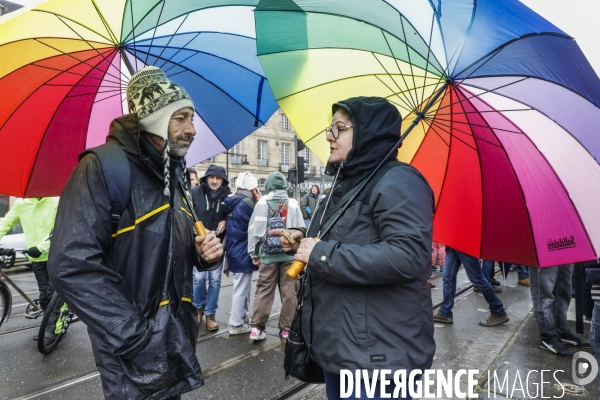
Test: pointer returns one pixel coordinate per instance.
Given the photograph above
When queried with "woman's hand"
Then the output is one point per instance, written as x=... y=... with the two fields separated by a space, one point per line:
x=285 y=236
x=221 y=227
x=256 y=261
x=209 y=247
x=306 y=247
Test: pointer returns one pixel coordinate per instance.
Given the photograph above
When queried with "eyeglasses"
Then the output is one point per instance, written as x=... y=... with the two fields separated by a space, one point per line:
x=335 y=129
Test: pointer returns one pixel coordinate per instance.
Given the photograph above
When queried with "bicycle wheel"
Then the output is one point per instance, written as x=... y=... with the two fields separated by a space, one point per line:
x=54 y=325
x=5 y=302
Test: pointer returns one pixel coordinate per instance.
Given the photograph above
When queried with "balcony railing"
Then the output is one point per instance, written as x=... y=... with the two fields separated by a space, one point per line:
x=236 y=160
x=263 y=162
x=284 y=167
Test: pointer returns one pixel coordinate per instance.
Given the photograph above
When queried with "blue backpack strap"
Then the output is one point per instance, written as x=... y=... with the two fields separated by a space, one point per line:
x=117 y=175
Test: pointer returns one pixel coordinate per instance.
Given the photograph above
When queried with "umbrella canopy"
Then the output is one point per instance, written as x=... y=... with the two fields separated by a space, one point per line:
x=502 y=109
x=66 y=64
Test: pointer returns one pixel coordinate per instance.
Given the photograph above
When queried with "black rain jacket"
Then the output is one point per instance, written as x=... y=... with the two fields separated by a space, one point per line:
x=113 y=281
x=211 y=211
x=368 y=304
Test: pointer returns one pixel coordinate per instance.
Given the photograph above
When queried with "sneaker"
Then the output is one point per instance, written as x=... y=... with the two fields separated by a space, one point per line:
x=494 y=282
x=34 y=314
x=437 y=317
x=524 y=282
x=493 y=320
x=555 y=346
x=240 y=329
x=573 y=340
x=284 y=333
x=431 y=285
x=257 y=334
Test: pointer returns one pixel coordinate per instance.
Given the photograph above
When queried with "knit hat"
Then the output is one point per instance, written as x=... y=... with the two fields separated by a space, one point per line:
x=246 y=180
x=154 y=98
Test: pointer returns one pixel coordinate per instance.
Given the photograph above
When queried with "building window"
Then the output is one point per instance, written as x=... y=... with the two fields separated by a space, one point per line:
x=306 y=158
x=232 y=183
x=262 y=154
x=236 y=154
x=285 y=123
x=261 y=183
x=285 y=153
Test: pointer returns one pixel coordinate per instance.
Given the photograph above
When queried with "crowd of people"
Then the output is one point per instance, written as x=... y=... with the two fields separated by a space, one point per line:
x=143 y=281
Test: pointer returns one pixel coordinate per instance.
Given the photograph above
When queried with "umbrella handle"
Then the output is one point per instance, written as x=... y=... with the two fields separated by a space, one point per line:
x=296 y=267
x=200 y=229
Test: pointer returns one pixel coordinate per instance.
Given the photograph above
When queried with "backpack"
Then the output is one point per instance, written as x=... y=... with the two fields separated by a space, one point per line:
x=117 y=175
x=272 y=244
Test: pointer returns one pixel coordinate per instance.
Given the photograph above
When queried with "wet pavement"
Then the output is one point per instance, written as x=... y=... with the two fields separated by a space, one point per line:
x=237 y=368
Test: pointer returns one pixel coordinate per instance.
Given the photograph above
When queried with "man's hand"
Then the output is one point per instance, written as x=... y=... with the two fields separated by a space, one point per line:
x=221 y=227
x=256 y=261
x=209 y=247
x=286 y=244
x=306 y=247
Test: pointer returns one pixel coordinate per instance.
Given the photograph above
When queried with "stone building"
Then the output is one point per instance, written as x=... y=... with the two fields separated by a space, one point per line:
x=270 y=148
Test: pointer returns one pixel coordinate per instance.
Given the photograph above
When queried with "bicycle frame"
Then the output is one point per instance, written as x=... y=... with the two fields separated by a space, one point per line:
x=36 y=307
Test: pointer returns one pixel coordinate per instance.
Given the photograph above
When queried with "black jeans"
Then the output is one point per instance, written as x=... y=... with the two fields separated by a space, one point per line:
x=40 y=270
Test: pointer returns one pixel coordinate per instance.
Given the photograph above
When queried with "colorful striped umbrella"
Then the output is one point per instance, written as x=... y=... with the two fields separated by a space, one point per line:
x=64 y=72
x=500 y=106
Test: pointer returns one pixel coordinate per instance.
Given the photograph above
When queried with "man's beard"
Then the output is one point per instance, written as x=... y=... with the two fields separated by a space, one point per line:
x=176 y=149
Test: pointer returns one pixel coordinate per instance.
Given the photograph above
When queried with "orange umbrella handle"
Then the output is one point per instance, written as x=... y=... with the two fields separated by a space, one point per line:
x=296 y=267
x=200 y=229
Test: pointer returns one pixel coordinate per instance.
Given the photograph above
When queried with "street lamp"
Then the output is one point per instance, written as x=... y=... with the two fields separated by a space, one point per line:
x=238 y=159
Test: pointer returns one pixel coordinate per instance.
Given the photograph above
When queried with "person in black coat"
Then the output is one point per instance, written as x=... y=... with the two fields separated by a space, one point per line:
x=367 y=303
x=209 y=203
x=132 y=286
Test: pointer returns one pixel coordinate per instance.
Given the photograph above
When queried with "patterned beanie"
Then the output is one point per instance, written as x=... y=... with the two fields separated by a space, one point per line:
x=154 y=98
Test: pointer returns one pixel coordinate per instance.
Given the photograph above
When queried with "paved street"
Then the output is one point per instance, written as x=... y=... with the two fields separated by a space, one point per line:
x=236 y=368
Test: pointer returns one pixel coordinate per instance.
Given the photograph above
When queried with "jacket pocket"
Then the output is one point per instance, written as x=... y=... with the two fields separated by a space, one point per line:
x=167 y=359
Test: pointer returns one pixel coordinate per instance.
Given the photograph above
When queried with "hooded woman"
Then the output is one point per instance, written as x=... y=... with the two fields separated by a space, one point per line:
x=367 y=303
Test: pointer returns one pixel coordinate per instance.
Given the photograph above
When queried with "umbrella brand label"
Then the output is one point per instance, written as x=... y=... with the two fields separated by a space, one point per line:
x=562 y=243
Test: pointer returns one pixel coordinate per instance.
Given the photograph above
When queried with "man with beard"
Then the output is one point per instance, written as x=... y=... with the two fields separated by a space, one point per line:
x=131 y=283
x=209 y=197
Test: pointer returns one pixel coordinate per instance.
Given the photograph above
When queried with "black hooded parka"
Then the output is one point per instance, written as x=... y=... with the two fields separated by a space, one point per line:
x=211 y=210
x=368 y=304
x=114 y=280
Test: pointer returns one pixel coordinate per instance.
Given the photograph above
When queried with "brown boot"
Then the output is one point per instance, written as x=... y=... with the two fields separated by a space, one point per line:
x=200 y=315
x=211 y=324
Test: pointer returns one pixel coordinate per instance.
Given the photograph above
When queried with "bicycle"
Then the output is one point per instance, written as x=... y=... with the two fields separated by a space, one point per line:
x=33 y=310
x=56 y=320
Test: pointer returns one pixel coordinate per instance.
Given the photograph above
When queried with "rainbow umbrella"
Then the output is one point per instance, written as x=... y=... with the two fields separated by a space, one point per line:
x=501 y=111
x=65 y=67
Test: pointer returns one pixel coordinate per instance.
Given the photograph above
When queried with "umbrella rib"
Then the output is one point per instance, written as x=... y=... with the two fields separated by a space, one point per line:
x=133 y=31
x=166 y=60
x=68 y=72
x=106 y=98
x=155 y=29
x=86 y=41
x=497 y=50
x=410 y=109
x=412 y=73
x=173 y=35
x=110 y=32
x=80 y=61
x=409 y=105
x=428 y=53
x=59 y=16
x=200 y=52
x=208 y=81
x=485 y=92
x=440 y=123
x=414 y=101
